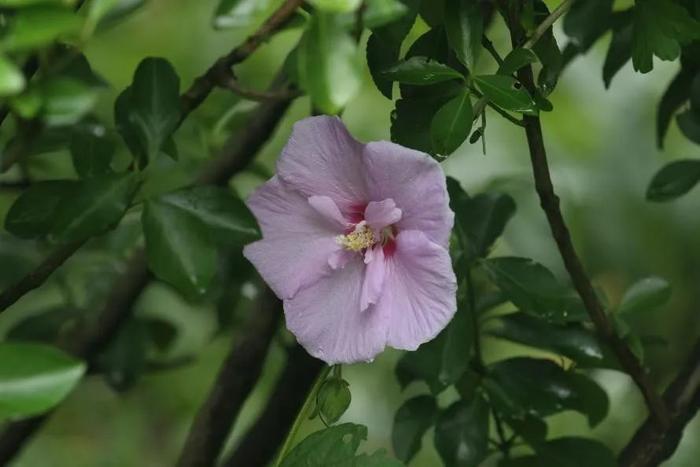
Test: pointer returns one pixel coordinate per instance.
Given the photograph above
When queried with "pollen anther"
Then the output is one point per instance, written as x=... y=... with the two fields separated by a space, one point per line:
x=360 y=238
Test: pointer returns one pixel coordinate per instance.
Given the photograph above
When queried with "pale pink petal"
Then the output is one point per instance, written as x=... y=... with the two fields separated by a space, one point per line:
x=380 y=214
x=326 y=318
x=328 y=209
x=419 y=294
x=416 y=183
x=340 y=258
x=374 y=277
x=297 y=241
x=322 y=158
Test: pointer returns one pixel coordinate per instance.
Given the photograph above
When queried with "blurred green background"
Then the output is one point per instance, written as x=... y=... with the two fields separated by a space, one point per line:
x=602 y=149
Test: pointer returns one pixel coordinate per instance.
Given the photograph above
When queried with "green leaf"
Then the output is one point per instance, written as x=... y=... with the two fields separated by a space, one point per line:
x=479 y=220
x=148 y=112
x=384 y=45
x=329 y=63
x=47 y=326
x=451 y=124
x=32 y=214
x=441 y=361
x=421 y=71
x=644 y=295
x=673 y=180
x=548 y=52
x=92 y=150
x=124 y=360
x=333 y=399
x=336 y=6
x=660 y=28
x=238 y=13
x=620 y=49
x=225 y=215
x=586 y=21
x=411 y=121
x=411 y=421
x=380 y=13
x=506 y=92
x=462 y=432
x=179 y=246
x=675 y=96
x=34 y=378
x=66 y=100
x=575 y=452
x=464 y=26
x=540 y=387
x=572 y=341
x=94 y=206
x=336 y=445
x=689 y=123
x=534 y=289
x=39 y=25
x=11 y=78
x=515 y=60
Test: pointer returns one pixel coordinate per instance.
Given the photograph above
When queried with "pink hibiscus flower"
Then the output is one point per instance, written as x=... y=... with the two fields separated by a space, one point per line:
x=355 y=240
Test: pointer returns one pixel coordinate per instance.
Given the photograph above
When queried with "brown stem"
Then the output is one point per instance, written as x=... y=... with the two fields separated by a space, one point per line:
x=280 y=411
x=651 y=444
x=231 y=83
x=550 y=205
x=37 y=276
x=236 y=379
x=203 y=85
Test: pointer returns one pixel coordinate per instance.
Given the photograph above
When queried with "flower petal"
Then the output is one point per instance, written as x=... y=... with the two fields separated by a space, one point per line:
x=374 y=277
x=416 y=183
x=297 y=241
x=380 y=214
x=326 y=318
x=420 y=291
x=322 y=158
x=328 y=209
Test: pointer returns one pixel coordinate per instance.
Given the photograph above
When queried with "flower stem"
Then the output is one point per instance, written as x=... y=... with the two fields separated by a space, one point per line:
x=310 y=399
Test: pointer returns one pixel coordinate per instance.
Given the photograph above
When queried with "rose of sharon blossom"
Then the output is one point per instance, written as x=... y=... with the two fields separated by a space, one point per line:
x=355 y=241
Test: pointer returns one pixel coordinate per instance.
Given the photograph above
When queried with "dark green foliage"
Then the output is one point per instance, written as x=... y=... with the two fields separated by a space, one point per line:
x=411 y=422
x=461 y=432
x=674 y=180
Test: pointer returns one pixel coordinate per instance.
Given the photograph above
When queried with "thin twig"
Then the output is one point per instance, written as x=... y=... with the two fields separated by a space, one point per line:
x=547 y=23
x=236 y=379
x=581 y=282
x=203 y=85
x=39 y=275
x=488 y=45
x=231 y=83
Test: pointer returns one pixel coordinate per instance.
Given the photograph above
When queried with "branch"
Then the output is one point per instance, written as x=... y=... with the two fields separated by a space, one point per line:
x=237 y=154
x=192 y=98
x=548 y=22
x=203 y=85
x=651 y=444
x=235 y=381
x=550 y=205
x=39 y=275
x=282 y=407
x=229 y=82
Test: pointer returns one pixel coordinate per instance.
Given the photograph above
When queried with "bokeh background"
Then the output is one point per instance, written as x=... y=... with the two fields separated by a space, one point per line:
x=603 y=153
